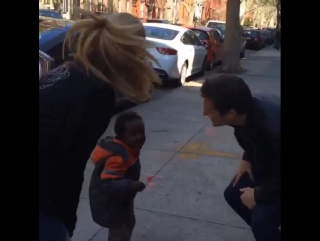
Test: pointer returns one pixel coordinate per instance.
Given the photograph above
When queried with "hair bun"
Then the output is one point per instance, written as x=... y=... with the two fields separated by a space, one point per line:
x=102 y=23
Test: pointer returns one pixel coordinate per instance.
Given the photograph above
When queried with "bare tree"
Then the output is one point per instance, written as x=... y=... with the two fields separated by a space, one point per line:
x=250 y=6
x=231 y=62
x=263 y=10
x=57 y=5
x=278 y=14
x=190 y=9
x=276 y=4
x=161 y=8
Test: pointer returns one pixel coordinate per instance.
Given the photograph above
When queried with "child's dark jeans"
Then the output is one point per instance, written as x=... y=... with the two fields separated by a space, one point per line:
x=123 y=232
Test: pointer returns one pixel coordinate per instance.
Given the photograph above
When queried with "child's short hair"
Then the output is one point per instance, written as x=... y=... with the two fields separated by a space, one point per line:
x=122 y=119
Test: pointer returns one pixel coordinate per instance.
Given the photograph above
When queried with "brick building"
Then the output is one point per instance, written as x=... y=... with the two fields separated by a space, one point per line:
x=143 y=9
x=214 y=9
x=137 y=8
x=183 y=10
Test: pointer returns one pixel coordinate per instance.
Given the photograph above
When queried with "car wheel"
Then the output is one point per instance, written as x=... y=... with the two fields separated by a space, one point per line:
x=203 y=68
x=210 y=66
x=183 y=73
x=242 y=54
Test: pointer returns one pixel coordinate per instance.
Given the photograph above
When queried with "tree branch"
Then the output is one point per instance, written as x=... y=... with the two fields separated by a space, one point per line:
x=185 y=5
x=250 y=10
x=161 y=3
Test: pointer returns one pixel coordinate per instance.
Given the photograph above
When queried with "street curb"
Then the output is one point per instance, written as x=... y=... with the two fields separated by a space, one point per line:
x=268 y=52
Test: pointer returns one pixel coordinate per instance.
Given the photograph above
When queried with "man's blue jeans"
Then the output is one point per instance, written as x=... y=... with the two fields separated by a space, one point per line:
x=52 y=229
x=264 y=218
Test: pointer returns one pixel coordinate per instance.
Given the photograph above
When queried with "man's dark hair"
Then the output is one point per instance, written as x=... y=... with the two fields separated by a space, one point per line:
x=227 y=92
x=122 y=119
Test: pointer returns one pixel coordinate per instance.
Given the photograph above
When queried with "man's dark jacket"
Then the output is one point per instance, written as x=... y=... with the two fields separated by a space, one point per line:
x=260 y=138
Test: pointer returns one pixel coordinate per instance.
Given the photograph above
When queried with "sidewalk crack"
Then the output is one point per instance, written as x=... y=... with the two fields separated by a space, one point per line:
x=95 y=234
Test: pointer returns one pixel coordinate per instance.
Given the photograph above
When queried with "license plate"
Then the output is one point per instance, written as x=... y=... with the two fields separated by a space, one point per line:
x=248 y=38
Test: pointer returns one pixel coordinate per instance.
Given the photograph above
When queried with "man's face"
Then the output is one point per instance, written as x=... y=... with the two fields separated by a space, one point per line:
x=134 y=135
x=215 y=117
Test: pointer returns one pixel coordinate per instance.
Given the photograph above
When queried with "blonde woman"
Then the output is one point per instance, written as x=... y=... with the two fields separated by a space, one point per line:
x=76 y=102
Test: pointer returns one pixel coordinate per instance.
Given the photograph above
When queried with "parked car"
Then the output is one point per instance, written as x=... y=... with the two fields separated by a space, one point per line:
x=158 y=21
x=211 y=38
x=221 y=26
x=264 y=37
x=177 y=49
x=51 y=36
x=269 y=33
x=255 y=39
x=49 y=13
x=98 y=13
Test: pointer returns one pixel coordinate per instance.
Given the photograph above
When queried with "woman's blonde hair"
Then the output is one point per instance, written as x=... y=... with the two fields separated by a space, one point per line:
x=113 y=48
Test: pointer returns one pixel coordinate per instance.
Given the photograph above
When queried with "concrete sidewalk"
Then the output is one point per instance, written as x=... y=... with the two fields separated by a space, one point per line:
x=191 y=163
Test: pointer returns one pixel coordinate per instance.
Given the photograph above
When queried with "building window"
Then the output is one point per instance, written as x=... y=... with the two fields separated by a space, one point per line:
x=142 y=10
x=47 y=1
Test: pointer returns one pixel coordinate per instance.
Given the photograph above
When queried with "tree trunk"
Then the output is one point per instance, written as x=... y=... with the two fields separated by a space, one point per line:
x=161 y=13
x=56 y=4
x=278 y=15
x=242 y=19
x=191 y=12
x=231 y=62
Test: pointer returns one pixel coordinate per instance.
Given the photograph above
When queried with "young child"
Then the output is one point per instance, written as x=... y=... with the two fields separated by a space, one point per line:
x=115 y=179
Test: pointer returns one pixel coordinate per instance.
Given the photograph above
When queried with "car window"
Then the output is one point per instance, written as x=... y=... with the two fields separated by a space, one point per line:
x=55 y=15
x=160 y=33
x=220 y=26
x=186 y=39
x=268 y=33
x=202 y=35
x=212 y=34
x=252 y=34
x=194 y=37
x=217 y=36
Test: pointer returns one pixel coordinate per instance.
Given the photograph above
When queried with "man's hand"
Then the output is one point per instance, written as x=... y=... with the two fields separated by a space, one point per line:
x=245 y=167
x=247 y=197
x=138 y=186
